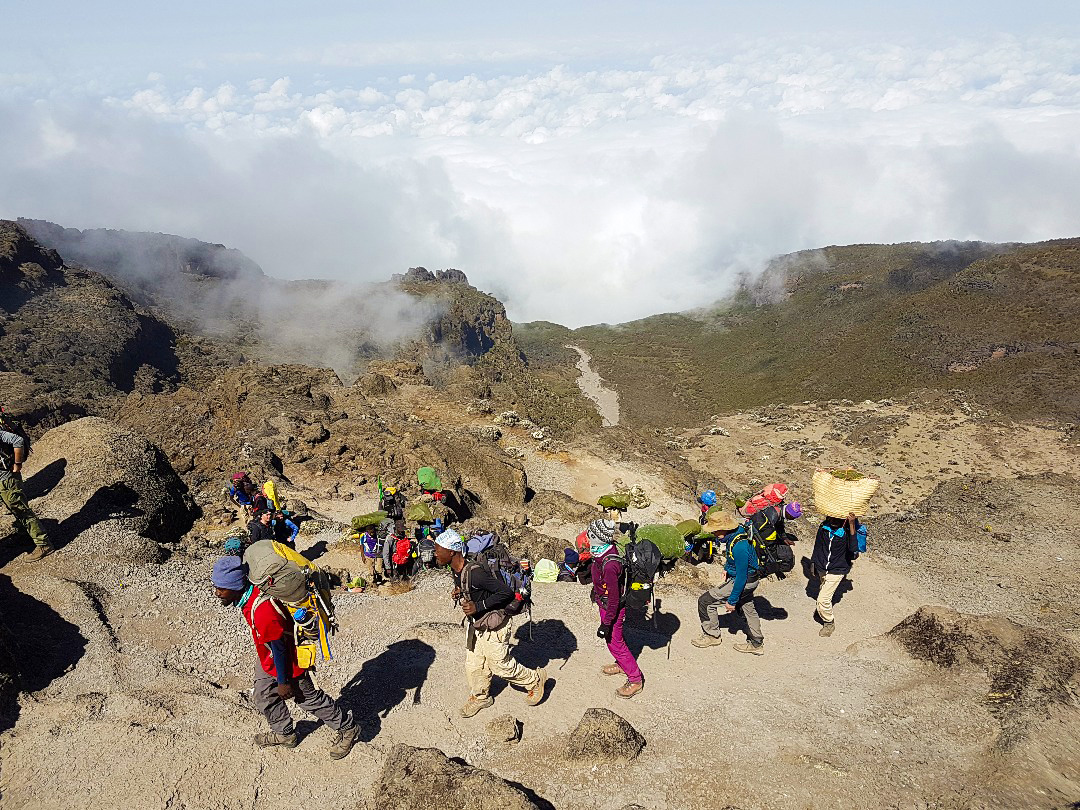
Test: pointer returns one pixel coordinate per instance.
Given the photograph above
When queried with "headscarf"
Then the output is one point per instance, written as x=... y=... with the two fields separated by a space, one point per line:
x=451 y=540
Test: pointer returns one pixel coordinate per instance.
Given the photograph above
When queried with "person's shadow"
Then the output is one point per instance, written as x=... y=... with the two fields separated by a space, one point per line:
x=386 y=681
x=655 y=632
x=813 y=584
x=314 y=552
x=37 y=646
x=544 y=641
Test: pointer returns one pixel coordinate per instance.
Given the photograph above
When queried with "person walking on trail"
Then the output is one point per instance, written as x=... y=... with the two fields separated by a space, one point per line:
x=608 y=576
x=836 y=547
x=13 y=451
x=737 y=591
x=483 y=596
x=278 y=677
x=261 y=527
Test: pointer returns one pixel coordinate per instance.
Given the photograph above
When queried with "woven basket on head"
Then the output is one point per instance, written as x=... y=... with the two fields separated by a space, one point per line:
x=835 y=497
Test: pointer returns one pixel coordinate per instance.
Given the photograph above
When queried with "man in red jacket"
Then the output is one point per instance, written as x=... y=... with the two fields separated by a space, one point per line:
x=278 y=676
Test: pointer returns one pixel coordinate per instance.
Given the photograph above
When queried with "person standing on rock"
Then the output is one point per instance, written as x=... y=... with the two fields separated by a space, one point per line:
x=608 y=576
x=13 y=449
x=483 y=597
x=278 y=676
x=836 y=547
x=737 y=590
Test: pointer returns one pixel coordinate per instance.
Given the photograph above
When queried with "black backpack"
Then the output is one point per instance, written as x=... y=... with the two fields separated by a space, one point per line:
x=7 y=451
x=774 y=555
x=498 y=560
x=641 y=561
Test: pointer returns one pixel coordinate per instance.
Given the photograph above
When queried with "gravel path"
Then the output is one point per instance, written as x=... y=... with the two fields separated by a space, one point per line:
x=606 y=399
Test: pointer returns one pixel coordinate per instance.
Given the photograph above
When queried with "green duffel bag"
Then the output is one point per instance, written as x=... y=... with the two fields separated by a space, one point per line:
x=619 y=502
x=361 y=523
x=429 y=480
x=419 y=512
x=668 y=539
x=688 y=528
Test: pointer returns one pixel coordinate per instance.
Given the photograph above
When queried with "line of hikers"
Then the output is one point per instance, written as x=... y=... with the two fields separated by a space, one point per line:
x=491 y=587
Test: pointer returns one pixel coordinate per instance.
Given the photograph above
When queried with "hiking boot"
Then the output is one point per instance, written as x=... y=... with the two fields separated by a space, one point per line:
x=536 y=694
x=751 y=647
x=629 y=689
x=475 y=704
x=39 y=552
x=346 y=739
x=612 y=669
x=269 y=739
x=826 y=629
x=705 y=640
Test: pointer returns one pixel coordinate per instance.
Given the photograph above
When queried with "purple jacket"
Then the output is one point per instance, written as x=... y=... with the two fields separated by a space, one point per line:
x=606 y=585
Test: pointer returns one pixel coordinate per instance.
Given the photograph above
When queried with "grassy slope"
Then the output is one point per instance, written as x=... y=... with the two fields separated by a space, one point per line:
x=862 y=321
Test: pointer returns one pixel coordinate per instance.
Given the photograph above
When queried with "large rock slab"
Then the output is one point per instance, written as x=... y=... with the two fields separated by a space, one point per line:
x=604 y=735
x=92 y=476
x=425 y=778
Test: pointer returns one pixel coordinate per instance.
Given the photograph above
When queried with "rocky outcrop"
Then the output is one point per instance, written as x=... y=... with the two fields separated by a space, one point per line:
x=107 y=489
x=603 y=735
x=74 y=329
x=425 y=778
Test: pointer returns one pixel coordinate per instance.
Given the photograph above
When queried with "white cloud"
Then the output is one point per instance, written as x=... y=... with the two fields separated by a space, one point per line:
x=580 y=195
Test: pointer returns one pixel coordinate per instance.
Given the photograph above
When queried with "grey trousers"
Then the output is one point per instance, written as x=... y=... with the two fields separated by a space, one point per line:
x=311 y=699
x=711 y=609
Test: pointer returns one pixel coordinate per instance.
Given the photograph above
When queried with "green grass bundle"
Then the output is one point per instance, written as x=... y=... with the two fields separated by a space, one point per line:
x=419 y=512
x=617 y=501
x=429 y=480
x=362 y=523
x=668 y=539
x=688 y=528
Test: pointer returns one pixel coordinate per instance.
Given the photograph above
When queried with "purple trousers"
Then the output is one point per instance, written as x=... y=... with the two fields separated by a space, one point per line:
x=621 y=653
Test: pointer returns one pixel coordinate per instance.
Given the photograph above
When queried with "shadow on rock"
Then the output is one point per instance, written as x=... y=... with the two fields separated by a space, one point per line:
x=114 y=502
x=551 y=638
x=385 y=682
x=44 y=480
x=37 y=646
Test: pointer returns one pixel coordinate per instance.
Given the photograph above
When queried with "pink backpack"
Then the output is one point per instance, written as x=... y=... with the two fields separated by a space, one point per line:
x=770 y=496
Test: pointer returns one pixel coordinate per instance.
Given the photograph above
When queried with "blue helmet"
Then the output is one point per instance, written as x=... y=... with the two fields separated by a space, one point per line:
x=708 y=497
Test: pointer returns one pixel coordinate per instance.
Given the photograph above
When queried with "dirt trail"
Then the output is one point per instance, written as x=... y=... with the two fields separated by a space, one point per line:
x=606 y=399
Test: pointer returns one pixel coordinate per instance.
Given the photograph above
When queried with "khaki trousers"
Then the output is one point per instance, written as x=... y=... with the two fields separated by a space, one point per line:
x=828 y=585
x=489 y=656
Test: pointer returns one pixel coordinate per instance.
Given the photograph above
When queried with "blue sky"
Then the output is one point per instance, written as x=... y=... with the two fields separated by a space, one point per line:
x=585 y=163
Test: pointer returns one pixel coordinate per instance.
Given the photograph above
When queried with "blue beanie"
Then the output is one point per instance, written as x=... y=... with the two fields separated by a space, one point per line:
x=230 y=573
x=571 y=557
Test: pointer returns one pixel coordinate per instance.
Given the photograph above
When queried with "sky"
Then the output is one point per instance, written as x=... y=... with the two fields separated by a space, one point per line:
x=584 y=162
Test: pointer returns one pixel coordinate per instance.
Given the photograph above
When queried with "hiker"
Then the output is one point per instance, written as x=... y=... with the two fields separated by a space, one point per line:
x=278 y=676
x=608 y=578
x=706 y=501
x=484 y=596
x=285 y=530
x=261 y=527
x=239 y=491
x=584 y=569
x=568 y=571
x=401 y=551
x=372 y=550
x=771 y=522
x=13 y=451
x=836 y=547
x=393 y=503
x=737 y=591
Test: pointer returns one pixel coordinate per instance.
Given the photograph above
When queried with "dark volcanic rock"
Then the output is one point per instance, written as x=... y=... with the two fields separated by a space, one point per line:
x=425 y=778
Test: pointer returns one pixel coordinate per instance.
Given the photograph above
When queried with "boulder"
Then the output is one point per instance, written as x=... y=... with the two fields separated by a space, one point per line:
x=604 y=735
x=92 y=476
x=425 y=778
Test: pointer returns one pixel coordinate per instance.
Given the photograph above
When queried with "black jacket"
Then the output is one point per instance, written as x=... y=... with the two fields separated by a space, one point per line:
x=260 y=532
x=835 y=548
x=486 y=590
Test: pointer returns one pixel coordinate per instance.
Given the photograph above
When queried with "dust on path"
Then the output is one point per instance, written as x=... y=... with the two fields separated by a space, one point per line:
x=606 y=399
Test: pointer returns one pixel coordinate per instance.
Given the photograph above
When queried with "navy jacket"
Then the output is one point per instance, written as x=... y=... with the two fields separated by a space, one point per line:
x=835 y=548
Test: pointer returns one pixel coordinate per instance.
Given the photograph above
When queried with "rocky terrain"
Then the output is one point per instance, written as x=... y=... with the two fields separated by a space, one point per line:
x=952 y=681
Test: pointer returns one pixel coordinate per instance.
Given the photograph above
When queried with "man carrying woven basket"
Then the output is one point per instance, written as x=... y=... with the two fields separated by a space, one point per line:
x=836 y=547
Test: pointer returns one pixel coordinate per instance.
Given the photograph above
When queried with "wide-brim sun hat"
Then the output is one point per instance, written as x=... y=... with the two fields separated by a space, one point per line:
x=720 y=521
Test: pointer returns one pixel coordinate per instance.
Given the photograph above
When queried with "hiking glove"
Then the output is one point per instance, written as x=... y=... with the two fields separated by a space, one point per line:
x=604 y=632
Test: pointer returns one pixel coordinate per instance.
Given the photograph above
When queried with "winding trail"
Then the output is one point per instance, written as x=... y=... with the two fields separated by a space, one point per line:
x=606 y=399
